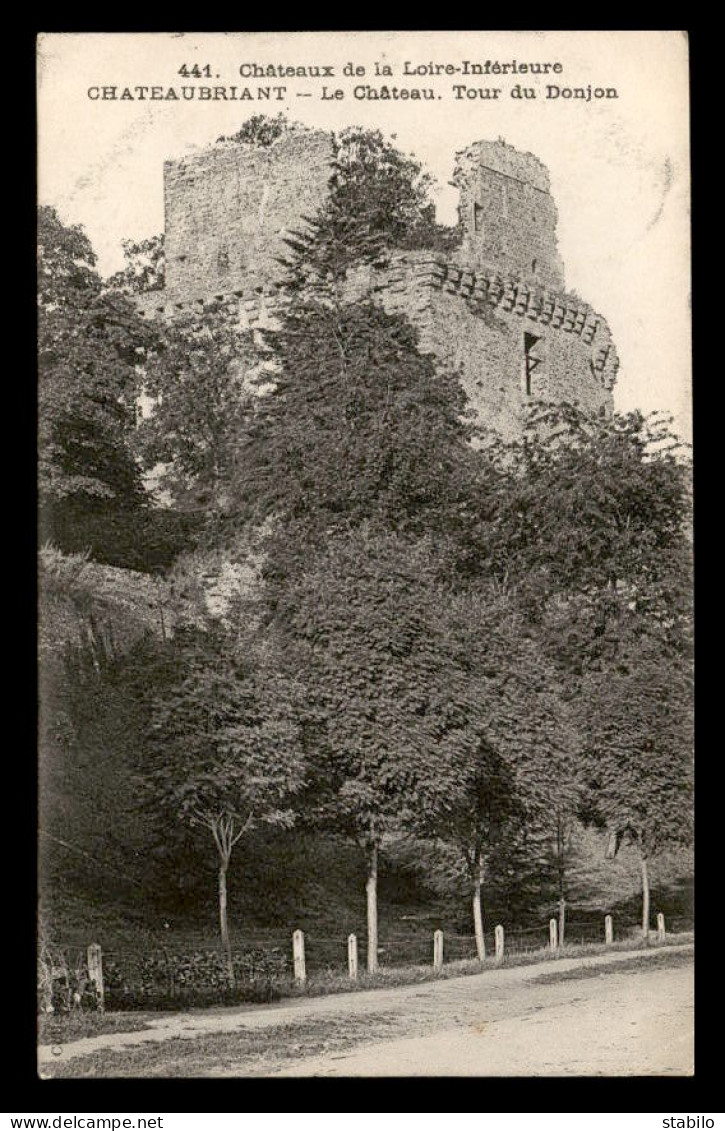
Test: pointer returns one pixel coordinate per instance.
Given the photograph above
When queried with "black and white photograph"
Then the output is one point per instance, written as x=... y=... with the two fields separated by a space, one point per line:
x=365 y=554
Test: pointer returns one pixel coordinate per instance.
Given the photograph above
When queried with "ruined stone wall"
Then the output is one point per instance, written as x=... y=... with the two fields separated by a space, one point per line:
x=228 y=209
x=476 y=322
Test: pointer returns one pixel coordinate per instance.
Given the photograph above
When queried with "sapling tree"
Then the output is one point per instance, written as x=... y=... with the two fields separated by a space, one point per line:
x=260 y=130
x=520 y=772
x=640 y=734
x=590 y=536
x=396 y=718
x=360 y=427
x=223 y=751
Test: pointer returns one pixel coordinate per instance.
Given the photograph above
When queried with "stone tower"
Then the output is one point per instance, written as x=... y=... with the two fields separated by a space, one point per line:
x=228 y=208
x=507 y=213
x=495 y=310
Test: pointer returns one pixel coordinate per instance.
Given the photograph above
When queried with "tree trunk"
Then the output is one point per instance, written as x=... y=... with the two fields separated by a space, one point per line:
x=478 y=920
x=645 y=898
x=223 y=924
x=561 y=872
x=477 y=905
x=371 y=889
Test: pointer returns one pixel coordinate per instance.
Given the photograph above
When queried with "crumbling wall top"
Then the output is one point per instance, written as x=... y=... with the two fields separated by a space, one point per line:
x=500 y=157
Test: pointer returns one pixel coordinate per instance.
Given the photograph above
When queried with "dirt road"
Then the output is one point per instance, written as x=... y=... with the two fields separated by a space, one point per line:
x=613 y=1014
x=615 y=1024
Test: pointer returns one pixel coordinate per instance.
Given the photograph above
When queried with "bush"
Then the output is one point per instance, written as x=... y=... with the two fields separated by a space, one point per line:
x=259 y=130
x=177 y=981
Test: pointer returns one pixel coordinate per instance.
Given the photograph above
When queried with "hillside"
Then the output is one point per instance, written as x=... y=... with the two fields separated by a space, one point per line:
x=83 y=603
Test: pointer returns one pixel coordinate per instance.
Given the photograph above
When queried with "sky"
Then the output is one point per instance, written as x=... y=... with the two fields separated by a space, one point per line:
x=619 y=167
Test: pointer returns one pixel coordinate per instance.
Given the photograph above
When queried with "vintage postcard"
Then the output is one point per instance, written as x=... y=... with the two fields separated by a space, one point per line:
x=365 y=640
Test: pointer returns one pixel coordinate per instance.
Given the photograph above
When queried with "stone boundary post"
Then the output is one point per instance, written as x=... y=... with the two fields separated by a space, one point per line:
x=352 y=956
x=298 y=957
x=438 y=951
x=608 y=930
x=95 y=973
x=661 y=935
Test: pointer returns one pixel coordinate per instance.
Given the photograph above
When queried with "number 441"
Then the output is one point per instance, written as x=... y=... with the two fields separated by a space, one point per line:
x=195 y=72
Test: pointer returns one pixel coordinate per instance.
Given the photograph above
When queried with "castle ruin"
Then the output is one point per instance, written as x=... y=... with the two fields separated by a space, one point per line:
x=495 y=309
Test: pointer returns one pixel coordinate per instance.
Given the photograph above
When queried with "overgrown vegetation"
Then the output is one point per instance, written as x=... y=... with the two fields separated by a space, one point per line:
x=259 y=130
x=378 y=200
x=145 y=268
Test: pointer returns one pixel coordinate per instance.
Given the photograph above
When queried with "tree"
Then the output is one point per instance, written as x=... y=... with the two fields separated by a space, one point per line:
x=591 y=519
x=435 y=713
x=260 y=130
x=640 y=732
x=359 y=428
x=521 y=774
x=590 y=537
x=378 y=200
x=201 y=400
x=487 y=807
x=223 y=751
x=394 y=718
x=90 y=343
x=145 y=268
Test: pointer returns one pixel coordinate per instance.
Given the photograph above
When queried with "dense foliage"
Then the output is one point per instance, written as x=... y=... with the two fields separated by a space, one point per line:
x=224 y=750
x=378 y=200
x=89 y=342
x=196 y=383
x=360 y=427
x=92 y=345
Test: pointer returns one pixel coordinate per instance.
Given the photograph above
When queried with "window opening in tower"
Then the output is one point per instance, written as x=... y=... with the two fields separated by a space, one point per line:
x=530 y=362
